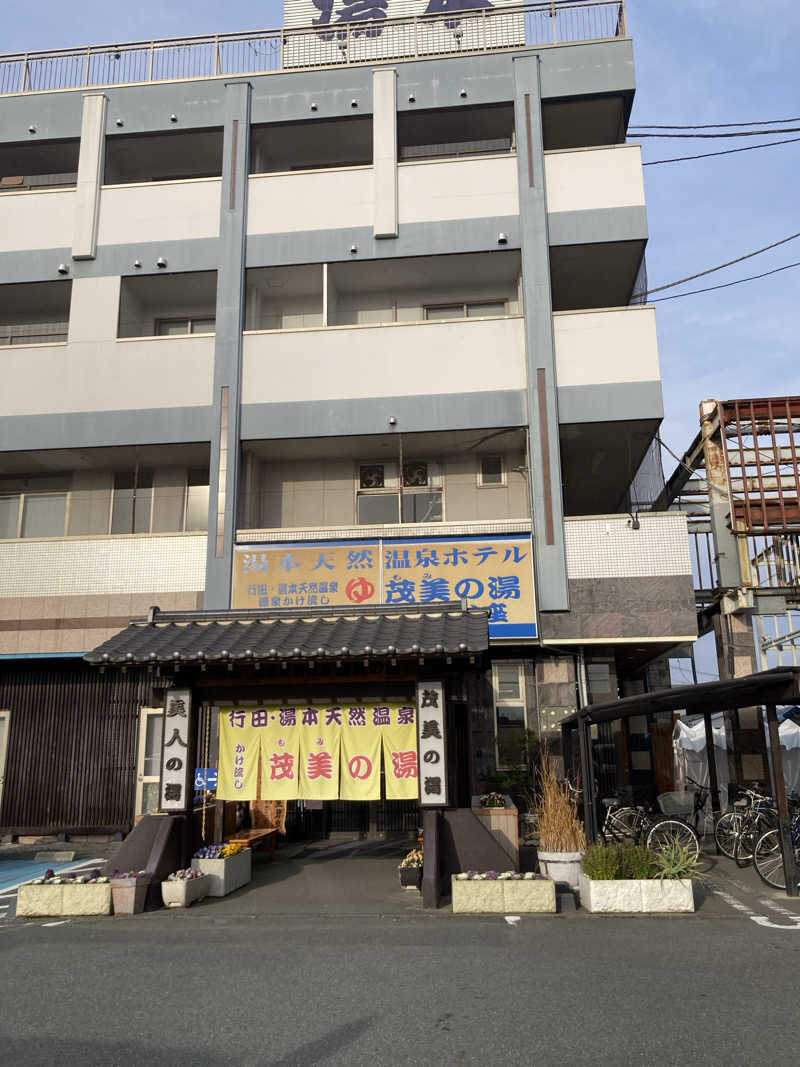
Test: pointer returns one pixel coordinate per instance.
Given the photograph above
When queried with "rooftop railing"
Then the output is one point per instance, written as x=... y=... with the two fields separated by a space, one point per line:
x=332 y=44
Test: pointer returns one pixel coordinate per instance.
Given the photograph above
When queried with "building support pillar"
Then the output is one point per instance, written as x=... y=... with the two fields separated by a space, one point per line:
x=226 y=433
x=544 y=454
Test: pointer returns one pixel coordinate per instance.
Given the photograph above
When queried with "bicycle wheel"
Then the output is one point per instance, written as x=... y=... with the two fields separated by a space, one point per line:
x=667 y=832
x=622 y=826
x=768 y=859
x=752 y=829
x=726 y=832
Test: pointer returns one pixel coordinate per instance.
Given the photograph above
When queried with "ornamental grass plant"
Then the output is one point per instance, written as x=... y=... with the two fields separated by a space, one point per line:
x=560 y=829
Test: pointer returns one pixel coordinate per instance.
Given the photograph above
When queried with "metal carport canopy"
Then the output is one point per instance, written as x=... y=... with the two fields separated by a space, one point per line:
x=768 y=688
x=781 y=685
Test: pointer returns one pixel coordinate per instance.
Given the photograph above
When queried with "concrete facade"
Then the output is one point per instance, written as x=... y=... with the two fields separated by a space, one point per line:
x=248 y=340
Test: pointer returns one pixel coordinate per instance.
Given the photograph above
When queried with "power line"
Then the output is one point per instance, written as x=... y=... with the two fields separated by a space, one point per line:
x=726 y=152
x=726 y=285
x=730 y=263
x=710 y=125
x=743 y=133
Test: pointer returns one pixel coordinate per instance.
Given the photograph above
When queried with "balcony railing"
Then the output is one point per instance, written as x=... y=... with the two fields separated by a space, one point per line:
x=35 y=333
x=774 y=561
x=339 y=44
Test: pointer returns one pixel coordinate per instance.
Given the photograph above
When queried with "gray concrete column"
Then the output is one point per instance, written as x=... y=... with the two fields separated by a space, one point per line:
x=384 y=151
x=544 y=450
x=91 y=161
x=225 y=441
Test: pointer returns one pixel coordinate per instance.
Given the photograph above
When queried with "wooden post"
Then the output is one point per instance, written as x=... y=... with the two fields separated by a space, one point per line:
x=791 y=873
x=431 y=874
x=711 y=760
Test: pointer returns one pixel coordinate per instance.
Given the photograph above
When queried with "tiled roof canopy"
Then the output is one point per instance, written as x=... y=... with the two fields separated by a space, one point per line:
x=204 y=636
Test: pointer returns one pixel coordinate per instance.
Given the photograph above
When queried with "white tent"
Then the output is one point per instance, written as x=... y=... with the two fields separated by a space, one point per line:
x=689 y=743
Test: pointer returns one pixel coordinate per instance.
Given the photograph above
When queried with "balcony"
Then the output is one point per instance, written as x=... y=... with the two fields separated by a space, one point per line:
x=608 y=347
x=295 y=47
x=594 y=179
x=334 y=198
x=159 y=211
x=36 y=218
x=438 y=190
x=395 y=359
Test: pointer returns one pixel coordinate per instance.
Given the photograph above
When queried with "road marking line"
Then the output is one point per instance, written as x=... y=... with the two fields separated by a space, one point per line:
x=793 y=915
x=61 y=922
x=763 y=921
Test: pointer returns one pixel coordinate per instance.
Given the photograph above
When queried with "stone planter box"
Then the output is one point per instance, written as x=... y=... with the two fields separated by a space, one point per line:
x=561 y=866
x=620 y=896
x=129 y=894
x=502 y=896
x=64 y=899
x=181 y=892
x=228 y=874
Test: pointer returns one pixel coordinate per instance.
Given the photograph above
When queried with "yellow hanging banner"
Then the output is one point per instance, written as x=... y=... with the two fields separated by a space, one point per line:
x=361 y=763
x=239 y=747
x=319 y=762
x=312 y=753
x=400 y=760
x=280 y=758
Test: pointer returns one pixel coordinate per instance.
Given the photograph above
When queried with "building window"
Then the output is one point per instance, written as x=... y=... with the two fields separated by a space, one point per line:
x=508 y=688
x=132 y=504
x=490 y=471
x=478 y=309
x=33 y=514
x=196 y=500
x=176 y=327
x=380 y=500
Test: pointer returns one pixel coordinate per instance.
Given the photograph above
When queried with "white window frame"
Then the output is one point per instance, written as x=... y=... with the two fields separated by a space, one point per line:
x=503 y=479
x=189 y=320
x=21 y=494
x=498 y=702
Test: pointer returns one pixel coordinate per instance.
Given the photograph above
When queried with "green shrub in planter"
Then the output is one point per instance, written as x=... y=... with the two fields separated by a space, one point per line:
x=636 y=862
x=674 y=861
x=601 y=862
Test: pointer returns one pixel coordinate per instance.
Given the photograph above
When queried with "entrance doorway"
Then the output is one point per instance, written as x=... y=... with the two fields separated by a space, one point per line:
x=148 y=760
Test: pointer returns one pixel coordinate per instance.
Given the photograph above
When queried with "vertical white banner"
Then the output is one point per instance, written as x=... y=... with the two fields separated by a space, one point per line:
x=432 y=745
x=177 y=770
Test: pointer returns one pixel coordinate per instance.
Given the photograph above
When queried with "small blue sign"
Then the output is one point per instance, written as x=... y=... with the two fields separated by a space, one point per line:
x=205 y=778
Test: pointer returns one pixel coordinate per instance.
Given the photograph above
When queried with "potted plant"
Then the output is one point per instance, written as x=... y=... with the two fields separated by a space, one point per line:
x=492 y=800
x=502 y=891
x=228 y=864
x=67 y=894
x=562 y=840
x=632 y=878
x=411 y=869
x=181 y=888
x=128 y=891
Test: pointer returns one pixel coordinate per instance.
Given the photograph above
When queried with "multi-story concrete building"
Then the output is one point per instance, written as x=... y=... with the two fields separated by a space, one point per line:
x=300 y=321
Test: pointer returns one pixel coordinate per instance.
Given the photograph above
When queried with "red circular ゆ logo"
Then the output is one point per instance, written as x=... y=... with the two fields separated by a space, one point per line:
x=358 y=590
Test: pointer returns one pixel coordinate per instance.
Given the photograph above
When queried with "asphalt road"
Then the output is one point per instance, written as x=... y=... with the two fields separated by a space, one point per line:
x=207 y=989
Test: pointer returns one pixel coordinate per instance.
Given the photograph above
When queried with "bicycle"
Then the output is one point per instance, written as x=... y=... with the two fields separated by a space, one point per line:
x=730 y=823
x=768 y=857
x=623 y=822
